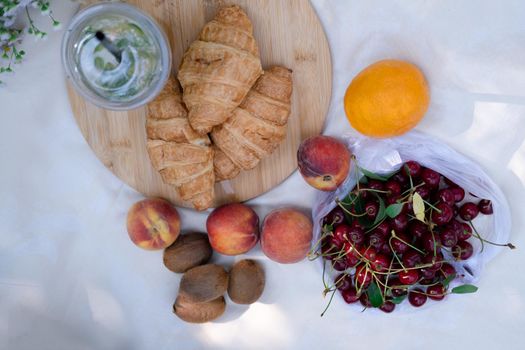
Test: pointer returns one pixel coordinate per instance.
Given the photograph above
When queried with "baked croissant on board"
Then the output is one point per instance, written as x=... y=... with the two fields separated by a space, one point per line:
x=183 y=157
x=219 y=68
x=256 y=127
x=225 y=94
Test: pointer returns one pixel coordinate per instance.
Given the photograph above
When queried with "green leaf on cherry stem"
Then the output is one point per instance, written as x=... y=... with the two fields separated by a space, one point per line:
x=464 y=289
x=375 y=176
x=381 y=212
x=363 y=180
x=394 y=210
x=374 y=295
x=399 y=299
x=447 y=280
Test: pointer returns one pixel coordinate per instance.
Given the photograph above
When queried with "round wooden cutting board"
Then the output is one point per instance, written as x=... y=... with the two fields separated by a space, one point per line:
x=288 y=33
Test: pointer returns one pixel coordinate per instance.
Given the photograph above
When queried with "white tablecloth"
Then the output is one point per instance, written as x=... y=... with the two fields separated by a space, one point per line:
x=70 y=278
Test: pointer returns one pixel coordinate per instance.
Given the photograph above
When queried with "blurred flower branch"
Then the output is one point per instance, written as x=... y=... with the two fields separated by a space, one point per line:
x=15 y=21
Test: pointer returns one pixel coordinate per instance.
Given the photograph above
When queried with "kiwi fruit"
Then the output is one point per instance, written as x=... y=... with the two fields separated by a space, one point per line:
x=199 y=312
x=246 y=282
x=203 y=283
x=188 y=251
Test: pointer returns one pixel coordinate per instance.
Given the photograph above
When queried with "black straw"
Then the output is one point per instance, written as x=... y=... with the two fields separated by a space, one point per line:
x=109 y=45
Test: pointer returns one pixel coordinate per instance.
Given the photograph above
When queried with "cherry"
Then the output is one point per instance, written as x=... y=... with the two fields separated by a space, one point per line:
x=416 y=298
x=446 y=195
x=341 y=234
x=436 y=292
x=399 y=223
x=447 y=270
x=363 y=299
x=393 y=187
x=339 y=264
x=455 y=226
x=449 y=182
x=466 y=232
x=397 y=292
x=408 y=277
x=385 y=249
x=455 y=209
x=376 y=239
x=444 y=215
x=430 y=241
x=351 y=255
x=427 y=274
x=369 y=253
x=336 y=216
x=371 y=209
x=387 y=307
x=398 y=243
x=411 y=258
x=356 y=223
x=408 y=208
x=459 y=193
x=417 y=228
x=436 y=261
x=343 y=282
x=448 y=237
x=401 y=178
x=329 y=249
x=414 y=169
x=429 y=281
x=430 y=177
x=463 y=250
x=380 y=263
x=383 y=228
x=356 y=235
x=392 y=199
x=362 y=276
x=485 y=207
x=423 y=191
x=375 y=185
x=350 y=295
x=468 y=211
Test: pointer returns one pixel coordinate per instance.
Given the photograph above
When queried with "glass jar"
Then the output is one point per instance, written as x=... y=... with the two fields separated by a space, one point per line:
x=125 y=69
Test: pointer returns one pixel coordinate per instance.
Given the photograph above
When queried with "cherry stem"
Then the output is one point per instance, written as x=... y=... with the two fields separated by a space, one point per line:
x=372 y=190
x=349 y=212
x=410 y=191
x=407 y=268
x=510 y=245
x=393 y=251
x=324 y=270
x=409 y=176
x=338 y=201
x=408 y=244
x=431 y=206
x=329 y=302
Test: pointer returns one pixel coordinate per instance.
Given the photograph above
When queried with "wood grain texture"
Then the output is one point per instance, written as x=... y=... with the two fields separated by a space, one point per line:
x=288 y=33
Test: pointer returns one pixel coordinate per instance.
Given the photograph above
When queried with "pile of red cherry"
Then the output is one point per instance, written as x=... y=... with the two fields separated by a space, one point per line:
x=391 y=237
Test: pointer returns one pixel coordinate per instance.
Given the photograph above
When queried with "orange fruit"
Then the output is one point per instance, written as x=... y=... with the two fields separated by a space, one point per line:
x=387 y=98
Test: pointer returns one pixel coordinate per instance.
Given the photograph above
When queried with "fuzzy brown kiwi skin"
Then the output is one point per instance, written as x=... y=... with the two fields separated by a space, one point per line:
x=199 y=312
x=204 y=283
x=246 y=283
x=188 y=251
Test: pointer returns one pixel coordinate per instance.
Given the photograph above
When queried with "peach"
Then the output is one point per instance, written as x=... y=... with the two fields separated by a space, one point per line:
x=323 y=162
x=286 y=235
x=153 y=223
x=233 y=229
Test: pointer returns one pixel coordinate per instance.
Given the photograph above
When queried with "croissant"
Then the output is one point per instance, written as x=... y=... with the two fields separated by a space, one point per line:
x=256 y=127
x=183 y=157
x=219 y=69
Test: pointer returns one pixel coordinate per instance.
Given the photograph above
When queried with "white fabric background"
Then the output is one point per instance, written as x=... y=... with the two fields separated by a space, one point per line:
x=71 y=279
